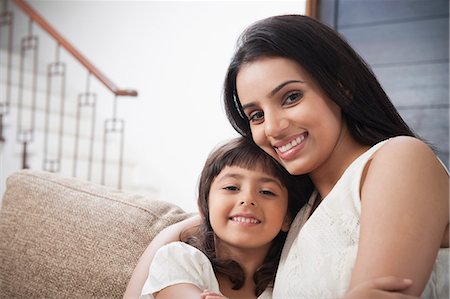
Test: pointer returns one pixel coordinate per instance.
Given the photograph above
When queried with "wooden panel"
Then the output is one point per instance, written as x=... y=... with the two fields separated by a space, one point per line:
x=415 y=85
x=432 y=125
x=359 y=12
x=423 y=40
x=407 y=44
x=326 y=11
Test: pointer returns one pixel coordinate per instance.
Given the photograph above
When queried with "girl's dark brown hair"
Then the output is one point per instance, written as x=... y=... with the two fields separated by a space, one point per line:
x=244 y=153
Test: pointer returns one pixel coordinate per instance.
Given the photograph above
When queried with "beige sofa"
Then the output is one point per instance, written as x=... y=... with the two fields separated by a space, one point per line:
x=68 y=238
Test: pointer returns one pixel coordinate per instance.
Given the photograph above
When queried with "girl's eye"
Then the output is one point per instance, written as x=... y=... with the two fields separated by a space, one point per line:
x=256 y=116
x=267 y=192
x=231 y=188
x=293 y=97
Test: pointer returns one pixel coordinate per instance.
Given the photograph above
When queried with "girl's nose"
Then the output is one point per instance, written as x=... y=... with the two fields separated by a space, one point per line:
x=248 y=202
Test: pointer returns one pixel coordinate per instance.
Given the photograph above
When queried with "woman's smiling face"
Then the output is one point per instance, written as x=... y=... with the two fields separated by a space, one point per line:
x=290 y=117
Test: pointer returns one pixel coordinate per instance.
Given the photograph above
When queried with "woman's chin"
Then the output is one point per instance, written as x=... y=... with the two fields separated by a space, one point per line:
x=295 y=167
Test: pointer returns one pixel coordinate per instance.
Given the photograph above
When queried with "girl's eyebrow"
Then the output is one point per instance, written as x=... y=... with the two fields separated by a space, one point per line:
x=231 y=175
x=274 y=91
x=262 y=179
x=271 y=180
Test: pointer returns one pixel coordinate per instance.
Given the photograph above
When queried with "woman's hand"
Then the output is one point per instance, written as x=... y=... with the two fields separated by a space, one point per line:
x=389 y=287
x=211 y=295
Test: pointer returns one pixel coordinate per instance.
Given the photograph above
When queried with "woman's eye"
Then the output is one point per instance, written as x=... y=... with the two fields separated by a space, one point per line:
x=256 y=116
x=293 y=97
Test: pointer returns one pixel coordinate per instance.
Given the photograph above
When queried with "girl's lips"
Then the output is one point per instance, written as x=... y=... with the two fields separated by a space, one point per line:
x=288 y=150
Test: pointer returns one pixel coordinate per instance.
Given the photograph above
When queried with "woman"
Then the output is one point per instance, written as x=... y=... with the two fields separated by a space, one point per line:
x=380 y=205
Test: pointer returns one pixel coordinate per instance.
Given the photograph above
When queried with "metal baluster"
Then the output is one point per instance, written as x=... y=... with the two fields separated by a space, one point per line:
x=26 y=137
x=52 y=161
x=25 y=133
x=113 y=125
x=3 y=112
x=85 y=100
x=6 y=20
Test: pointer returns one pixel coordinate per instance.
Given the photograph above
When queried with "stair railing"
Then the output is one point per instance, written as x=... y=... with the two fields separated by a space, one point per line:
x=56 y=84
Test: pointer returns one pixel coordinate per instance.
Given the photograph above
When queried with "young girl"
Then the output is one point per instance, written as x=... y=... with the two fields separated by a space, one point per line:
x=246 y=210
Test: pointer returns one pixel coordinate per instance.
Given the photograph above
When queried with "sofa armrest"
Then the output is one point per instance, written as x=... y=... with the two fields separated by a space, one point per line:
x=69 y=238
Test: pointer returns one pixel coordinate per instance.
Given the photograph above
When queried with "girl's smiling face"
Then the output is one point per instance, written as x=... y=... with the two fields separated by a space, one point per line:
x=247 y=208
x=290 y=117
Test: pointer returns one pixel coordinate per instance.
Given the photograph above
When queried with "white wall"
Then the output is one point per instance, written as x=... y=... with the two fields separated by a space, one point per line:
x=175 y=54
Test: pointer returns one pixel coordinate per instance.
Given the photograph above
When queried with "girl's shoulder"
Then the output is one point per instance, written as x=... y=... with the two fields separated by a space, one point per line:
x=176 y=263
x=187 y=260
x=181 y=249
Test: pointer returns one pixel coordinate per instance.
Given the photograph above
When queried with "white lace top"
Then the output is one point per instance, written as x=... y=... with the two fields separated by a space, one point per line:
x=320 y=252
x=179 y=262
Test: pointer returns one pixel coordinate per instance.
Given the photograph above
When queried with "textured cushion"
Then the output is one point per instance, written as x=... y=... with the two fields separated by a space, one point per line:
x=68 y=238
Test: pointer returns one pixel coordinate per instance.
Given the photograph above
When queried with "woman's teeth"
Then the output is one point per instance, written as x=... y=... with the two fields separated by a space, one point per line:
x=291 y=144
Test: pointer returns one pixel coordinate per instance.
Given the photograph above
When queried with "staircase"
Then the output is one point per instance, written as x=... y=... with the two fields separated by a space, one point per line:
x=58 y=113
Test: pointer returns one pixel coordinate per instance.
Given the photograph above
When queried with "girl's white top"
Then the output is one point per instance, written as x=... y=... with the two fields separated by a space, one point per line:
x=179 y=262
x=319 y=253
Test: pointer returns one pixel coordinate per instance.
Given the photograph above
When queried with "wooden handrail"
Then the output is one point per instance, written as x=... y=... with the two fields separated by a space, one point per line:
x=311 y=8
x=25 y=7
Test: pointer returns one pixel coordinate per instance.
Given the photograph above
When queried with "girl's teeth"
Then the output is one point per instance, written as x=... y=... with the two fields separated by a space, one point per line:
x=291 y=144
x=245 y=220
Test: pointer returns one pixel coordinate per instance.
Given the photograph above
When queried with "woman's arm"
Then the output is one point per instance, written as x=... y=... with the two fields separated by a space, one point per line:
x=167 y=235
x=188 y=291
x=381 y=288
x=404 y=214
x=211 y=295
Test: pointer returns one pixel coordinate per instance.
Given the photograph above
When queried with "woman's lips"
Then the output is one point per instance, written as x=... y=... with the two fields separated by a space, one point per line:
x=288 y=150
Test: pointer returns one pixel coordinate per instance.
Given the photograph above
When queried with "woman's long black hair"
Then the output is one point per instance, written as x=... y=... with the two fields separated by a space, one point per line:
x=340 y=72
x=244 y=153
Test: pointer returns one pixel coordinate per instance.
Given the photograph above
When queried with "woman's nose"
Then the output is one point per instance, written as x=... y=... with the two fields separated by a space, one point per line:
x=275 y=124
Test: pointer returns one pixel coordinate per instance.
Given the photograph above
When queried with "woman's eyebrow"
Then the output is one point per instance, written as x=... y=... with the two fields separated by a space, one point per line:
x=249 y=105
x=279 y=87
